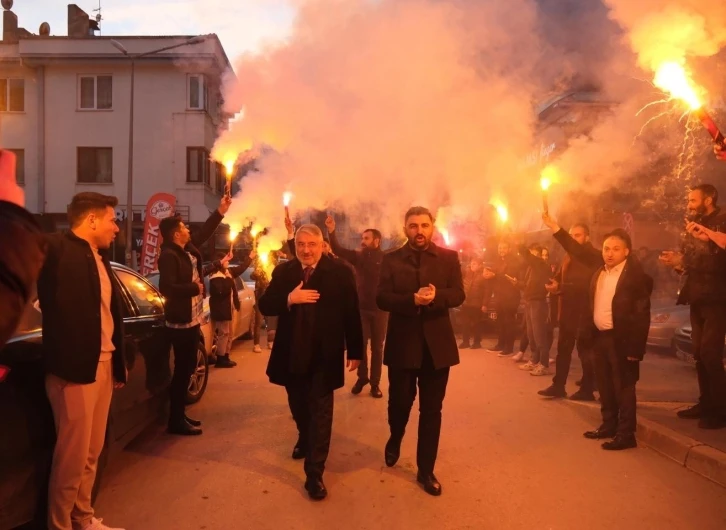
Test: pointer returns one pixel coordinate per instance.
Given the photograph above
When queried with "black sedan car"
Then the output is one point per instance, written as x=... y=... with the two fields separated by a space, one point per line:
x=27 y=435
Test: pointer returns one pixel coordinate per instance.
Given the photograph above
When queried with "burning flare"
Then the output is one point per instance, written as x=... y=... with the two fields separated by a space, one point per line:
x=547 y=177
x=286 y=198
x=673 y=78
x=445 y=234
x=502 y=211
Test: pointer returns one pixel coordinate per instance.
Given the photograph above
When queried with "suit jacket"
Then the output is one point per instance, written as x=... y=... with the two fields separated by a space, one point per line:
x=631 y=308
x=334 y=322
x=505 y=294
x=412 y=327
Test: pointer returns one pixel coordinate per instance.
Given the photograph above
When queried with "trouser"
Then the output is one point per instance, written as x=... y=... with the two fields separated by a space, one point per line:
x=540 y=341
x=311 y=404
x=402 y=393
x=568 y=338
x=185 y=343
x=471 y=324
x=708 y=323
x=507 y=317
x=616 y=379
x=524 y=339
x=375 y=323
x=223 y=331
x=81 y=414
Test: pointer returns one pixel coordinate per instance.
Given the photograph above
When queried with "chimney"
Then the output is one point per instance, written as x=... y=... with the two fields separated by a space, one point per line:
x=10 y=27
x=79 y=23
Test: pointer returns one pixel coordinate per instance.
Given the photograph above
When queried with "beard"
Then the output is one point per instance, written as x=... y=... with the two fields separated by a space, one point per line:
x=419 y=243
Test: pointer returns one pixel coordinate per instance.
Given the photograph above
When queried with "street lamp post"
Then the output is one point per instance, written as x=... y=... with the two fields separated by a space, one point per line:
x=130 y=179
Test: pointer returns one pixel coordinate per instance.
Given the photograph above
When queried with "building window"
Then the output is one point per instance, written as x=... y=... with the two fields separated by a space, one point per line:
x=221 y=177
x=12 y=95
x=95 y=165
x=20 y=167
x=95 y=92
x=197 y=90
x=198 y=165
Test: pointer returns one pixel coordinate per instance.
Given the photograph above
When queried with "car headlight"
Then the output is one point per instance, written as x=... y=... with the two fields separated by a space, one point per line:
x=660 y=318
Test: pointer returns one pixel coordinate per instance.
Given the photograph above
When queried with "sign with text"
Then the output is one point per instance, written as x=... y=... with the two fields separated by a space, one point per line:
x=159 y=207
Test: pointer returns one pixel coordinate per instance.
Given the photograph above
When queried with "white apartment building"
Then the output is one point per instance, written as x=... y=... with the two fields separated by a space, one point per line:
x=65 y=109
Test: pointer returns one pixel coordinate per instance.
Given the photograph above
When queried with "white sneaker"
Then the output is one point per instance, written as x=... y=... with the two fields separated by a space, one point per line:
x=529 y=365
x=518 y=357
x=552 y=360
x=257 y=349
x=540 y=370
x=97 y=524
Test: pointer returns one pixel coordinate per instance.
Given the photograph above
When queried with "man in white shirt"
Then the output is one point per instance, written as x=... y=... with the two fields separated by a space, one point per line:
x=620 y=303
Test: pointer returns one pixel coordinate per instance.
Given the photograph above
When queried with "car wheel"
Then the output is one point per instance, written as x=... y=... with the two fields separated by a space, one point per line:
x=200 y=377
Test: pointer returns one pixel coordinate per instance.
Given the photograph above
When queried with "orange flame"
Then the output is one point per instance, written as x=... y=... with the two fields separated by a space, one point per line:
x=286 y=198
x=501 y=208
x=547 y=177
x=674 y=79
x=445 y=234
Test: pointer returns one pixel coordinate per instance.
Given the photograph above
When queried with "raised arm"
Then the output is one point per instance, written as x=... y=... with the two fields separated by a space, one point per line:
x=351 y=256
x=210 y=225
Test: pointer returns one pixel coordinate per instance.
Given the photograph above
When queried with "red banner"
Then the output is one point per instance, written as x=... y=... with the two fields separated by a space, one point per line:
x=159 y=207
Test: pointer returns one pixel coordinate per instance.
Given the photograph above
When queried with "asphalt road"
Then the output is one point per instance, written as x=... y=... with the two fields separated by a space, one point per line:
x=508 y=460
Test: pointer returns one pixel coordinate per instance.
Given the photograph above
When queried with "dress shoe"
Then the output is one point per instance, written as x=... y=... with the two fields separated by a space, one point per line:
x=553 y=392
x=620 y=442
x=691 y=413
x=600 y=434
x=430 y=483
x=476 y=346
x=184 y=429
x=298 y=452
x=223 y=361
x=358 y=387
x=464 y=346
x=376 y=392
x=316 y=489
x=581 y=395
x=211 y=358
x=392 y=452
x=193 y=423
x=711 y=423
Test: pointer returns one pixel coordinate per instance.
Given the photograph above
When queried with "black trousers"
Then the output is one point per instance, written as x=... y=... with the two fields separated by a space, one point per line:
x=708 y=322
x=616 y=379
x=311 y=404
x=185 y=343
x=568 y=338
x=402 y=393
x=508 y=329
x=375 y=323
x=471 y=317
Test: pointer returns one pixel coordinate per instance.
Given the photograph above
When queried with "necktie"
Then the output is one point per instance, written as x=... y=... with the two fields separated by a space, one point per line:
x=307 y=272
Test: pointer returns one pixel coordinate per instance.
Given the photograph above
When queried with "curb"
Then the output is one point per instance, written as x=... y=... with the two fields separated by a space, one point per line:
x=700 y=458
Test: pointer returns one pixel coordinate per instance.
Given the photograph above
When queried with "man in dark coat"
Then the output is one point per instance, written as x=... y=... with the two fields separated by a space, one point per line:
x=316 y=300
x=181 y=281
x=367 y=262
x=503 y=283
x=420 y=283
x=620 y=308
x=573 y=282
x=471 y=311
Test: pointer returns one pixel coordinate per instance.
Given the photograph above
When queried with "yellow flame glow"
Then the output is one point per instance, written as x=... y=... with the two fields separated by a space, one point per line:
x=445 y=234
x=255 y=230
x=548 y=177
x=501 y=208
x=673 y=78
x=229 y=167
x=264 y=257
x=286 y=198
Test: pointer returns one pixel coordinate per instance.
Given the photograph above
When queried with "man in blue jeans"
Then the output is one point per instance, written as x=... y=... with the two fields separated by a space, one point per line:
x=536 y=309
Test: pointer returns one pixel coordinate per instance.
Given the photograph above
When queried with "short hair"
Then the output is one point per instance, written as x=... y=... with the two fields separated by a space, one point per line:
x=88 y=202
x=535 y=246
x=418 y=210
x=311 y=230
x=584 y=227
x=169 y=226
x=708 y=190
x=622 y=235
x=375 y=233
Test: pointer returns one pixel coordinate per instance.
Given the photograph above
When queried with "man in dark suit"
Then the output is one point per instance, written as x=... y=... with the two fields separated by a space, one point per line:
x=316 y=300
x=419 y=283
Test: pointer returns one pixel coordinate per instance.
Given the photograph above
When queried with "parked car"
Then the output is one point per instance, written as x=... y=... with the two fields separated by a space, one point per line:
x=664 y=322
x=241 y=320
x=27 y=435
x=684 y=345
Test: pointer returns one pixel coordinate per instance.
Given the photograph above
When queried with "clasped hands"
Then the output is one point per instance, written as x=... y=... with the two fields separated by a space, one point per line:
x=425 y=295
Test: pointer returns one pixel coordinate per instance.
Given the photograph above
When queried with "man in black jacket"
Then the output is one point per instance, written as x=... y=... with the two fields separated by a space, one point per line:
x=181 y=281
x=504 y=285
x=316 y=301
x=82 y=311
x=580 y=263
x=419 y=283
x=367 y=262
x=22 y=249
x=704 y=264
x=620 y=308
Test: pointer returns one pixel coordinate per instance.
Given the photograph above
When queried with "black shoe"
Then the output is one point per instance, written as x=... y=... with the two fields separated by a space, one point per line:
x=223 y=361
x=193 y=423
x=553 y=392
x=392 y=452
x=581 y=395
x=620 y=442
x=376 y=392
x=476 y=346
x=298 y=452
x=463 y=345
x=184 y=429
x=358 y=387
x=711 y=423
x=691 y=413
x=600 y=434
x=430 y=483
x=316 y=489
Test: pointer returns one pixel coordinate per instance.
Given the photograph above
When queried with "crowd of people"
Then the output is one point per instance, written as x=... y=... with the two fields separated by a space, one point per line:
x=330 y=302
